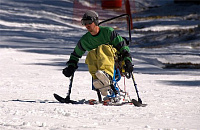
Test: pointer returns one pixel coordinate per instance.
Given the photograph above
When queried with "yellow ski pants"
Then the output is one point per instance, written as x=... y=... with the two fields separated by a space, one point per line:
x=101 y=58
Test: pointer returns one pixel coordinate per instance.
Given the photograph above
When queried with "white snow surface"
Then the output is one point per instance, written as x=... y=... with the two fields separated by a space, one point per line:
x=36 y=40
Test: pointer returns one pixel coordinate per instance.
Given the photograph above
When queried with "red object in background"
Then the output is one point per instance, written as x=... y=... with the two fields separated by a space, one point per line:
x=128 y=11
x=111 y=3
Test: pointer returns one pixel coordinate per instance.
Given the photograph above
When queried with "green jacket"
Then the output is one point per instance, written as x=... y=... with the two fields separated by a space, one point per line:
x=106 y=35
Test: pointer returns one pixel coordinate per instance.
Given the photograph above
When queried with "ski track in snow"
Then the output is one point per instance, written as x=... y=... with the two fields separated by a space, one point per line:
x=36 y=41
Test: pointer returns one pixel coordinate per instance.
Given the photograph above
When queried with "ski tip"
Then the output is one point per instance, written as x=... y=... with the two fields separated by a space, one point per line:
x=59 y=98
x=64 y=100
x=55 y=94
x=138 y=104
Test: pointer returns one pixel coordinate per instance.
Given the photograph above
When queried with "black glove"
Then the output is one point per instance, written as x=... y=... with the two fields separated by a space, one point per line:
x=128 y=66
x=68 y=71
x=127 y=59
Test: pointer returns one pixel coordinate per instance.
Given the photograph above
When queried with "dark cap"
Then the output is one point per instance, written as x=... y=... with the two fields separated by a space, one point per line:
x=91 y=15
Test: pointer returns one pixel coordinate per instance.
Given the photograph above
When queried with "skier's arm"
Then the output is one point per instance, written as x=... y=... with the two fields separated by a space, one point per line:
x=120 y=44
x=73 y=60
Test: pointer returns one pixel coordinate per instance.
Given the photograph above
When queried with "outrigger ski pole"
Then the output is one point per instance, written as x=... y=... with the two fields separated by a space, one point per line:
x=70 y=88
x=67 y=99
x=139 y=99
x=139 y=102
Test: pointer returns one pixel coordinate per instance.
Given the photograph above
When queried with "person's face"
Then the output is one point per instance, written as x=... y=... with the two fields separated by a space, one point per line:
x=90 y=27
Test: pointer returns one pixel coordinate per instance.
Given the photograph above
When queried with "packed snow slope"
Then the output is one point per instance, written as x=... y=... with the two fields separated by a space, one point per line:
x=37 y=37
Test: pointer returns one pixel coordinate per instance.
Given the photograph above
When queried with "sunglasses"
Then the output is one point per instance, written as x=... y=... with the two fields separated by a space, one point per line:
x=86 y=21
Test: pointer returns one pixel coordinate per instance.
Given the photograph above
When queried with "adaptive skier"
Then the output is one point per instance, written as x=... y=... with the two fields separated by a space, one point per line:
x=101 y=44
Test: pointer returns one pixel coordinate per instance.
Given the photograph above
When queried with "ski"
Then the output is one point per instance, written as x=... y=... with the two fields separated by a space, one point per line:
x=132 y=102
x=137 y=103
x=64 y=100
x=109 y=103
x=95 y=102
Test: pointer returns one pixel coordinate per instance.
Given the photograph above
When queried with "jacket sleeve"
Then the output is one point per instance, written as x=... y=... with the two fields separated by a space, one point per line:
x=76 y=54
x=120 y=44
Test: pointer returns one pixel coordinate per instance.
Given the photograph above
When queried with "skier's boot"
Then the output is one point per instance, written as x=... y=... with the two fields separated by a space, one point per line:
x=103 y=82
x=105 y=78
x=99 y=85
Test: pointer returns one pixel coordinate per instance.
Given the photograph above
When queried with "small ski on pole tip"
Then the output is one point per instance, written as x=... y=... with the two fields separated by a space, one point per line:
x=64 y=100
x=138 y=104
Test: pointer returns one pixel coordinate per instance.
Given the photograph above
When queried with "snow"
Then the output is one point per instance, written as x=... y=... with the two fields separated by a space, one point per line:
x=37 y=38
